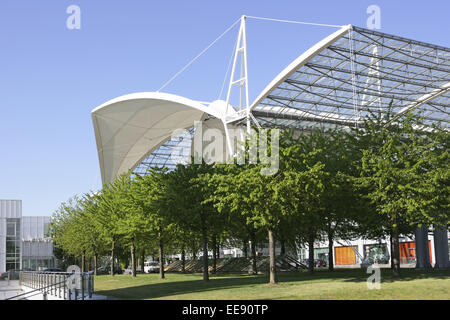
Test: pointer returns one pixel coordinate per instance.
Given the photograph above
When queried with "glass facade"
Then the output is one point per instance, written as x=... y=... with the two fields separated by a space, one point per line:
x=13 y=240
x=35 y=264
x=321 y=253
x=377 y=253
x=46 y=229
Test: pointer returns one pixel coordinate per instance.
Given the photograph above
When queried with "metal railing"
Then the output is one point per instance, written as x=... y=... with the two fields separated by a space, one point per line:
x=57 y=284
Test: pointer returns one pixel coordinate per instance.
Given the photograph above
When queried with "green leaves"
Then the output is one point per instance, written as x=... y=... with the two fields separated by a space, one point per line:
x=388 y=173
x=399 y=157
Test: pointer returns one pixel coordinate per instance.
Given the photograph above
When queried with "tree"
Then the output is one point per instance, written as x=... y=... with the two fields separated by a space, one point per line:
x=65 y=229
x=232 y=205
x=395 y=156
x=113 y=208
x=94 y=242
x=71 y=230
x=251 y=194
x=150 y=194
x=187 y=192
x=336 y=198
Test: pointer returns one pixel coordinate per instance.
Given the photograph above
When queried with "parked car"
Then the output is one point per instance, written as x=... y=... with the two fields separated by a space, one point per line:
x=129 y=271
x=107 y=269
x=102 y=270
x=151 y=266
x=320 y=263
x=317 y=262
x=12 y=274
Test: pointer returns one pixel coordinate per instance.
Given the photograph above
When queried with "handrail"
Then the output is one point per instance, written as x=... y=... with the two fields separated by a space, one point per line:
x=38 y=289
x=51 y=283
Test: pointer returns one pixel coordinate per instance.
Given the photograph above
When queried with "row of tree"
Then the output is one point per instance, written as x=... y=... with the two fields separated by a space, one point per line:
x=379 y=180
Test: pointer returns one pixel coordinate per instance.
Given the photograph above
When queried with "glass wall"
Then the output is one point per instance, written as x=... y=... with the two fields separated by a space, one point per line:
x=12 y=244
x=321 y=253
x=35 y=264
x=37 y=254
x=377 y=253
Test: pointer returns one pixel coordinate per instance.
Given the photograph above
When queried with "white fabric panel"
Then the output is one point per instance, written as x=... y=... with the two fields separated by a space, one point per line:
x=221 y=152
x=130 y=127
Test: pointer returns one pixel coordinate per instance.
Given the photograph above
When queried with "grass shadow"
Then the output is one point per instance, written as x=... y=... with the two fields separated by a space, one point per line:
x=167 y=287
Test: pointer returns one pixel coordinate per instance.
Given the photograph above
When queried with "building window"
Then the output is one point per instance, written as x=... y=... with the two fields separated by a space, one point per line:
x=46 y=230
x=12 y=244
x=377 y=253
x=321 y=253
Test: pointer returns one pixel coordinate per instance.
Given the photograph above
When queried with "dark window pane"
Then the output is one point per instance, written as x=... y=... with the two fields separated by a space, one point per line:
x=11 y=229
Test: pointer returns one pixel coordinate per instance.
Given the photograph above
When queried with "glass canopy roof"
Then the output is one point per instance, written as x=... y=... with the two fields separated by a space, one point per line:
x=360 y=71
x=344 y=77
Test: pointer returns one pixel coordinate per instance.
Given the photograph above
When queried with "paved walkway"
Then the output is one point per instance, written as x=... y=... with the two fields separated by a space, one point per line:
x=12 y=288
x=9 y=289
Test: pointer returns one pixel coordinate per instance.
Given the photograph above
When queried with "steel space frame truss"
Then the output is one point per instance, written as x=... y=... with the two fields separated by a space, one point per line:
x=359 y=73
x=362 y=72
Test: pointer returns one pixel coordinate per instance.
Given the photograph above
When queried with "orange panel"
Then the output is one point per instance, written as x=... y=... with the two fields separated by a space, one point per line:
x=345 y=255
x=408 y=250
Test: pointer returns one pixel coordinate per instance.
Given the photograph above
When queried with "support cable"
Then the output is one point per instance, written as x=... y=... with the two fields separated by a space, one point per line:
x=228 y=70
x=352 y=69
x=198 y=56
x=231 y=27
x=297 y=22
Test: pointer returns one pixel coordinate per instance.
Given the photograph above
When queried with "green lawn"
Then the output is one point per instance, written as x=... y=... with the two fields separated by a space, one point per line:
x=340 y=284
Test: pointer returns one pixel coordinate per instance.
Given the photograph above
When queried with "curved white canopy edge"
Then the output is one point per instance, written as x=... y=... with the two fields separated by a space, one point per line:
x=130 y=127
x=300 y=61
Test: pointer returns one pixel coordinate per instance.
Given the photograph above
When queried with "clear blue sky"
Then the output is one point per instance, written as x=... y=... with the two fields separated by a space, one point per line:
x=52 y=77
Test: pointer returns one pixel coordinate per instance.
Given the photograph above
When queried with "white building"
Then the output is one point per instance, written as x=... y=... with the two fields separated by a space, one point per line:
x=24 y=241
x=37 y=246
x=10 y=234
x=338 y=82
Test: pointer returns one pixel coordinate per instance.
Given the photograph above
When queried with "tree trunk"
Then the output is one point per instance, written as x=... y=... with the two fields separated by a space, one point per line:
x=392 y=251
x=161 y=256
x=395 y=253
x=142 y=260
x=311 y=254
x=133 y=259
x=330 y=251
x=95 y=264
x=245 y=248
x=112 y=259
x=218 y=251
x=273 y=269
x=183 y=261
x=214 y=247
x=253 y=254
x=205 y=252
x=283 y=247
x=83 y=262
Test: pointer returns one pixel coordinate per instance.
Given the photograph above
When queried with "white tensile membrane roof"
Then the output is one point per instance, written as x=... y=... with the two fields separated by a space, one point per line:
x=338 y=81
x=130 y=127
